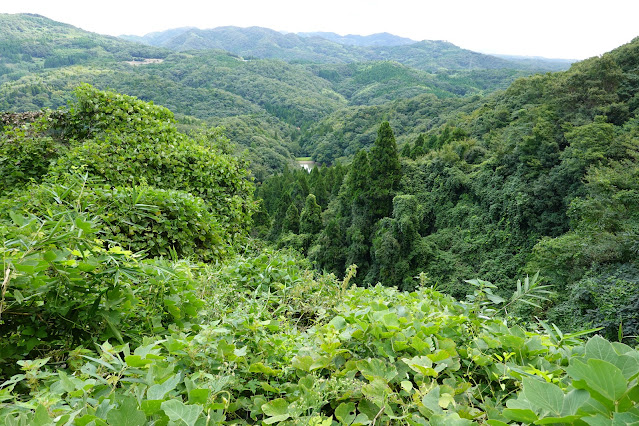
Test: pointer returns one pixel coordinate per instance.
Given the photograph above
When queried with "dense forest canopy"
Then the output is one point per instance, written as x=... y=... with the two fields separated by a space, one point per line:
x=464 y=237
x=494 y=187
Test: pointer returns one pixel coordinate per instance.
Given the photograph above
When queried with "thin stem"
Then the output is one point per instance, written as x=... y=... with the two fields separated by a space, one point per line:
x=5 y=284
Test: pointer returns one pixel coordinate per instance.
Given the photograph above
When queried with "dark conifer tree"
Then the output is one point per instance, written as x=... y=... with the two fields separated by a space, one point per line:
x=292 y=219
x=406 y=150
x=385 y=172
x=419 y=148
x=311 y=217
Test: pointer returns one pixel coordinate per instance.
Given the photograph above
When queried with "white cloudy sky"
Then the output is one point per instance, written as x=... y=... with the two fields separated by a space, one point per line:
x=574 y=29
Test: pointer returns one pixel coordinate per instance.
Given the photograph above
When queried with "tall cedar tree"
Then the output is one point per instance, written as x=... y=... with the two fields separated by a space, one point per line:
x=386 y=172
x=292 y=220
x=311 y=217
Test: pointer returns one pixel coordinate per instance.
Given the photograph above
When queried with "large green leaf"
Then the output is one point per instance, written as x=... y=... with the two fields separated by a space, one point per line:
x=574 y=400
x=597 y=420
x=431 y=400
x=345 y=413
x=371 y=368
x=623 y=419
x=544 y=395
x=258 y=367
x=376 y=391
x=600 y=376
x=159 y=390
x=520 y=415
x=181 y=413
x=41 y=417
x=422 y=365
x=127 y=414
x=276 y=410
x=449 y=420
x=599 y=348
x=557 y=420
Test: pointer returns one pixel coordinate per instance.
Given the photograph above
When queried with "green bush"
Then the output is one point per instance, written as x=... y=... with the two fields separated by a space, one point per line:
x=25 y=153
x=133 y=142
x=62 y=289
x=378 y=355
x=607 y=297
x=158 y=222
x=96 y=111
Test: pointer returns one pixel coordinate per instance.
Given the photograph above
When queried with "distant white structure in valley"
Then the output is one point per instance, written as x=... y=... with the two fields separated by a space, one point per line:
x=307 y=165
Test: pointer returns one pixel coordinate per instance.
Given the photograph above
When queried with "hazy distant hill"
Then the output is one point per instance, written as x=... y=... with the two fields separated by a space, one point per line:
x=427 y=55
x=42 y=42
x=157 y=38
x=252 y=42
x=379 y=39
x=552 y=64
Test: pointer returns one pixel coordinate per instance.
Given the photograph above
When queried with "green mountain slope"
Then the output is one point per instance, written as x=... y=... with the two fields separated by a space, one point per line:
x=539 y=177
x=266 y=43
x=31 y=42
x=254 y=42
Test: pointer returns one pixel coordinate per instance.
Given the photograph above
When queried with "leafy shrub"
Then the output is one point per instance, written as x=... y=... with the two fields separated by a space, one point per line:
x=61 y=289
x=607 y=297
x=155 y=221
x=270 y=284
x=161 y=222
x=25 y=153
x=379 y=354
x=598 y=388
x=128 y=142
x=96 y=111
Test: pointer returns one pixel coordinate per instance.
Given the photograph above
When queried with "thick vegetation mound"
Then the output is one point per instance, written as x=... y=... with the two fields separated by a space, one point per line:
x=124 y=142
x=129 y=142
x=90 y=191
x=157 y=222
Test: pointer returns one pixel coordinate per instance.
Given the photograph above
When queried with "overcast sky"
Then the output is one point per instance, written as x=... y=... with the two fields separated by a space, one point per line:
x=574 y=29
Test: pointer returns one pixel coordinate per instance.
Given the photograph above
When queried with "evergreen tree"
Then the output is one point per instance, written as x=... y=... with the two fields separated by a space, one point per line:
x=406 y=150
x=356 y=186
x=385 y=172
x=328 y=253
x=311 y=217
x=355 y=211
x=419 y=148
x=292 y=219
x=261 y=222
x=280 y=215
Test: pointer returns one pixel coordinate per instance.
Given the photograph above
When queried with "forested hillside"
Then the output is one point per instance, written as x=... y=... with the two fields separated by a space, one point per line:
x=32 y=42
x=212 y=87
x=427 y=55
x=379 y=39
x=540 y=177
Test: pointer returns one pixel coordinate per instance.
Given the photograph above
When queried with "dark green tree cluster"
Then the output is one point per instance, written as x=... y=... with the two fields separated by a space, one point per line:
x=333 y=216
x=292 y=204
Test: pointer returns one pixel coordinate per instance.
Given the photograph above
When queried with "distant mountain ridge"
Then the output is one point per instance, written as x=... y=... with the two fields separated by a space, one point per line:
x=378 y=39
x=324 y=47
